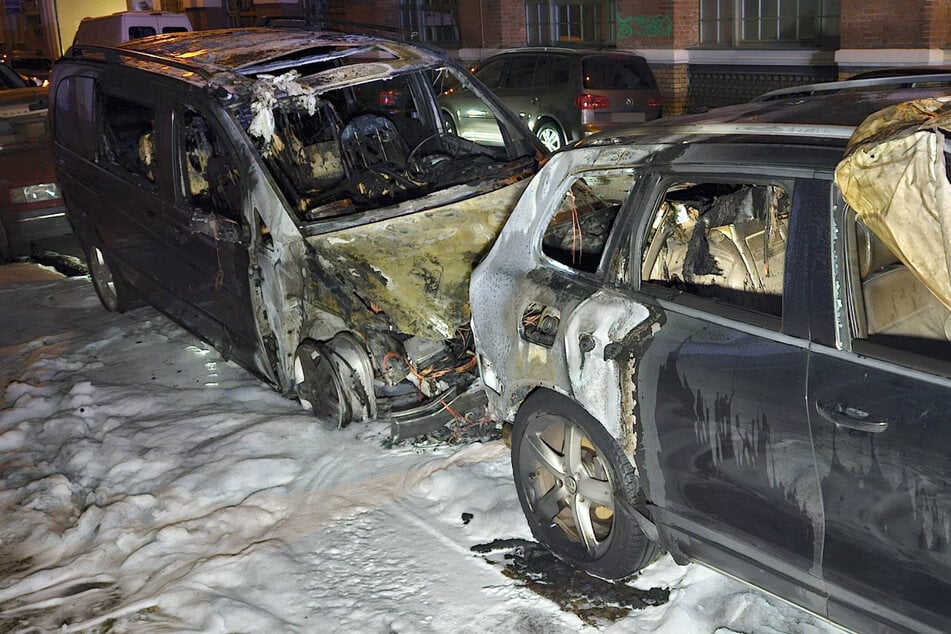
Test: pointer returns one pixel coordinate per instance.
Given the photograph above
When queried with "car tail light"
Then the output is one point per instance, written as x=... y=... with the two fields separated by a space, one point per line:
x=654 y=102
x=387 y=98
x=591 y=102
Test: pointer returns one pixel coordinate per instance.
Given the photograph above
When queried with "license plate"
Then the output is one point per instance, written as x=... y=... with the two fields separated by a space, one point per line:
x=628 y=117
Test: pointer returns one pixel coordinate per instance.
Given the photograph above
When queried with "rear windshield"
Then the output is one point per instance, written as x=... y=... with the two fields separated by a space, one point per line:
x=33 y=63
x=622 y=72
x=135 y=32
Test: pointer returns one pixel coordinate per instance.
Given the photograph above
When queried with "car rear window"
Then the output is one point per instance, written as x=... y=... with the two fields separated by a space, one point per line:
x=616 y=73
x=9 y=79
x=135 y=32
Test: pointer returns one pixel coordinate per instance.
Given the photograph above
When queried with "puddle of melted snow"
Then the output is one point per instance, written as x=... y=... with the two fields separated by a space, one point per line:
x=594 y=601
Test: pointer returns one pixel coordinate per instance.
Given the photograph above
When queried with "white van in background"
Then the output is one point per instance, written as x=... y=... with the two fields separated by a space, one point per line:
x=110 y=30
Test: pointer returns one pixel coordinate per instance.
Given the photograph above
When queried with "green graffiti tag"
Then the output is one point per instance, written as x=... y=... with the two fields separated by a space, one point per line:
x=644 y=26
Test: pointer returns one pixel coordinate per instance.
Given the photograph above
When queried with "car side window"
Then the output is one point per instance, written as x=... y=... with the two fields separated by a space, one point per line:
x=721 y=240
x=521 y=72
x=491 y=73
x=74 y=114
x=135 y=32
x=128 y=137
x=578 y=231
x=890 y=305
x=212 y=182
x=558 y=71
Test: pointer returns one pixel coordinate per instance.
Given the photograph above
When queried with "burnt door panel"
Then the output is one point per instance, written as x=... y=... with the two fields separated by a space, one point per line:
x=883 y=444
x=207 y=238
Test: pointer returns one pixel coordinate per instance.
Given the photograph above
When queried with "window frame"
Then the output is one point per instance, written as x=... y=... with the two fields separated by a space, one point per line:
x=543 y=24
x=650 y=202
x=418 y=17
x=730 y=22
x=851 y=326
x=616 y=235
x=102 y=93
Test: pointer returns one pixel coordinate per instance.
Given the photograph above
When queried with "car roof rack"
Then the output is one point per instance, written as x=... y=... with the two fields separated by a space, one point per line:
x=884 y=83
x=738 y=129
x=116 y=55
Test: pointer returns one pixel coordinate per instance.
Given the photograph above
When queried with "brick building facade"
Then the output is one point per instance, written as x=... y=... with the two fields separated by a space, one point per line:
x=704 y=53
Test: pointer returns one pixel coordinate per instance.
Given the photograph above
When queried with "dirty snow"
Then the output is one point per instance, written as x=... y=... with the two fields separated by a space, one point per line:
x=148 y=486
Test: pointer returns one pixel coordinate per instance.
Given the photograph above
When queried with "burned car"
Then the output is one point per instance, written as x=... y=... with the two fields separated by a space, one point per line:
x=707 y=344
x=294 y=198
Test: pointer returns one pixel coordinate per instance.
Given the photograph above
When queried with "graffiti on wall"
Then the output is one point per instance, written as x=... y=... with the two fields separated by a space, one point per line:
x=644 y=26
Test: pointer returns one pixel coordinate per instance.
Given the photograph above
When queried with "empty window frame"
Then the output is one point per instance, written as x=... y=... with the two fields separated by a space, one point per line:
x=585 y=22
x=128 y=137
x=751 y=22
x=578 y=231
x=721 y=240
x=212 y=184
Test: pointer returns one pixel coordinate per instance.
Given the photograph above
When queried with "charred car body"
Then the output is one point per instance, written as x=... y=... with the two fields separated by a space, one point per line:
x=704 y=348
x=293 y=198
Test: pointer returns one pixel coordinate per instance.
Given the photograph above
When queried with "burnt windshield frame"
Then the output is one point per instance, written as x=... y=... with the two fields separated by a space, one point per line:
x=383 y=143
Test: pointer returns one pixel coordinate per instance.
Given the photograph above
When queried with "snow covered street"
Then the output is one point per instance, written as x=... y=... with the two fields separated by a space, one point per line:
x=148 y=486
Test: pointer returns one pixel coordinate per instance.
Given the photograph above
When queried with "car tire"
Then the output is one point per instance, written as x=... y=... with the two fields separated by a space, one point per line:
x=579 y=504
x=6 y=249
x=550 y=135
x=110 y=286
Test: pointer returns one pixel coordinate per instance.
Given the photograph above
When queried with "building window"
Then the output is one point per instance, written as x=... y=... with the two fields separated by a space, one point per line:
x=241 y=13
x=588 y=22
x=752 y=22
x=433 y=21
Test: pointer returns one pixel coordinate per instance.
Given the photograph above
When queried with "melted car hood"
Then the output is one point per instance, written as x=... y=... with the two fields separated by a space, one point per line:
x=411 y=272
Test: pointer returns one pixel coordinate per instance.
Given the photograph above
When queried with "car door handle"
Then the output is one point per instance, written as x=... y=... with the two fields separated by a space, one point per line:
x=850 y=417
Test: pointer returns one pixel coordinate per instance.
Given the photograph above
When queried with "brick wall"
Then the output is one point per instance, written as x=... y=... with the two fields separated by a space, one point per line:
x=890 y=23
x=657 y=23
x=383 y=12
x=674 y=83
x=712 y=86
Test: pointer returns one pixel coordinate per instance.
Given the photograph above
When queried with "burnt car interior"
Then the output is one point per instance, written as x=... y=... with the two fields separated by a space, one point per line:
x=371 y=145
x=578 y=231
x=725 y=241
x=891 y=306
x=129 y=137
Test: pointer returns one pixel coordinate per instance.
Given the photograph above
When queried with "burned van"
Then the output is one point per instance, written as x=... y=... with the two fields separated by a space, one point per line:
x=295 y=199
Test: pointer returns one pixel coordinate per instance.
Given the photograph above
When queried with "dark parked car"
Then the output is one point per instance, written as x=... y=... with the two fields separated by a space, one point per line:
x=294 y=198
x=31 y=207
x=33 y=67
x=704 y=349
x=562 y=94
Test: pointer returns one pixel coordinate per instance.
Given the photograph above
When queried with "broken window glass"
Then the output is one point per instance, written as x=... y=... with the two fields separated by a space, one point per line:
x=129 y=137
x=578 y=231
x=721 y=240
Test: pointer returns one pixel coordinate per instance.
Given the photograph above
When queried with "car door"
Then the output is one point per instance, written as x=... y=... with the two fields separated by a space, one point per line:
x=207 y=234
x=128 y=204
x=879 y=401
x=721 y=381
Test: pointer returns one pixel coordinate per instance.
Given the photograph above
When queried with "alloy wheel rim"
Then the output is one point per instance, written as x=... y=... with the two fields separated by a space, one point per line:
x=550 y=138
x=102 y=277
x=568 y=484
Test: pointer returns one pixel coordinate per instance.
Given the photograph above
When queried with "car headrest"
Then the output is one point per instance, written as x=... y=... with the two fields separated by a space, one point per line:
x=872 y=252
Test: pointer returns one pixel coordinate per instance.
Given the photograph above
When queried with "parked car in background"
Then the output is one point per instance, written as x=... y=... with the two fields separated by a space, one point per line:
x=31 y=207
x=294 y=198
x=32 y=66
x=704 y=349
x=562 y=95
x=110 y=30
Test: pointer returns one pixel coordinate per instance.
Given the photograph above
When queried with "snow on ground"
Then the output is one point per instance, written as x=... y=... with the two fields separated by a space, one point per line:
x=147 y=486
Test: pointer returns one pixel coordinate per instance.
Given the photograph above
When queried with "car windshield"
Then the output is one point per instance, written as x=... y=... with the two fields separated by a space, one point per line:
x=381 y=142
x=21 y=129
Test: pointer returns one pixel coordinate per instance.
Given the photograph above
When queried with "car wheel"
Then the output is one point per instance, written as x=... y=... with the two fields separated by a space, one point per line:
x=577 y=488
x=550 y=135
x=319 y=384
x=112 y=290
